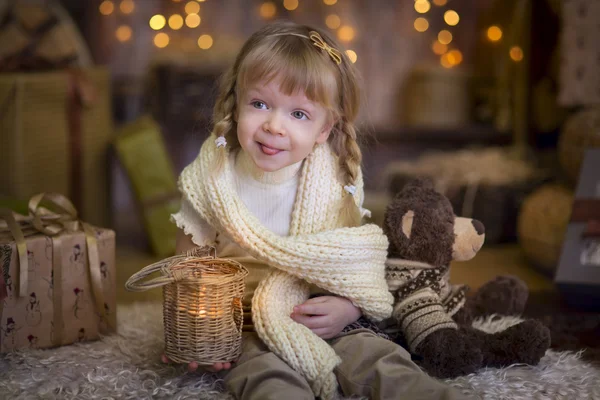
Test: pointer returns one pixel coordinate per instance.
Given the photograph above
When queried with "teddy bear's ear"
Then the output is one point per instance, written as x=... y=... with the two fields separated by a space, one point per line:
x=407 y=223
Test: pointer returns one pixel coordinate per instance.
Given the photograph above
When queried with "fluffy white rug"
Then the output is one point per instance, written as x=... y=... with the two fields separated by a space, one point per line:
x=127 y=366
x=559 y=375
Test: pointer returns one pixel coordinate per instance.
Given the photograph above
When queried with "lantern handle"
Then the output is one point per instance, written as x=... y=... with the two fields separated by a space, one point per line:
x=133 y=284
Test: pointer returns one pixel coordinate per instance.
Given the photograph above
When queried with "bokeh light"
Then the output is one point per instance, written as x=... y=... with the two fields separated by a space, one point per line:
x=352 y=55
x=290 y=4
x=161 y=40
x=422 y=6
x=193 y=20
x=268 y=10
x=205 y=42
x=333 y=21
x=157 y=22
x=127 y=6
x=421 y=24
x=451 y=17
x=346 y=33
x=444 y=37
x=438 y=48
x=494 y=33
x=106 y=7
x=192 y=8
x=175 y=22
x=123 y=33
x=516 y=53
x=455 y=57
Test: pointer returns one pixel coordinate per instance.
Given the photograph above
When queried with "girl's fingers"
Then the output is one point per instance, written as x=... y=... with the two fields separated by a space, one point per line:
x=321 y=308
x=193 y=366
x=323 y=333
x=320 y=321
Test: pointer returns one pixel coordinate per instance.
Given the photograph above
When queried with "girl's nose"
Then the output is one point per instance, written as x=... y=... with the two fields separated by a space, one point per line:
x=274 y=125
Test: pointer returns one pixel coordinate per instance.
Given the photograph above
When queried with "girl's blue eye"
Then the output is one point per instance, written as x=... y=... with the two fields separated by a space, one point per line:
x=259 y=104
x=299 y=115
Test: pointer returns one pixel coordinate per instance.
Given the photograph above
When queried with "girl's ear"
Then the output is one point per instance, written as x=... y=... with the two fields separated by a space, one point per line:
x=325 y=132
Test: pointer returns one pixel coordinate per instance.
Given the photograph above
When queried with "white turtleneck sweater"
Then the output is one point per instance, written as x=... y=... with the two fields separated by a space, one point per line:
x=269 y=196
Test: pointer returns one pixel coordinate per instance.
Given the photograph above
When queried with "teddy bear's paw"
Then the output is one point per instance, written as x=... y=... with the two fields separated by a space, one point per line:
x=447 y=353
x=524 y=343
x=504 y=295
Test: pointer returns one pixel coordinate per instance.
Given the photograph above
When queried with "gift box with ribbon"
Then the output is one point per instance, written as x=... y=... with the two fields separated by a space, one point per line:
x=55 y=132
x=57 y=276
x=144 y=156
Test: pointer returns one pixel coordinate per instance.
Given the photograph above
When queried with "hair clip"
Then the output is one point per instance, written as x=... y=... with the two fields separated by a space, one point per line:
x=350 y=189
x=320 y=43
x=221 y=141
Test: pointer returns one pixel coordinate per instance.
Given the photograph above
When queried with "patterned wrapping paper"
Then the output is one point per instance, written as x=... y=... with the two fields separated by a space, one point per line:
x=28 y=321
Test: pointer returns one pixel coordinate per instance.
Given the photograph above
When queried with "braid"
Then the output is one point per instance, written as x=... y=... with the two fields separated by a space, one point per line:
x=223 y=114
x=344 y=144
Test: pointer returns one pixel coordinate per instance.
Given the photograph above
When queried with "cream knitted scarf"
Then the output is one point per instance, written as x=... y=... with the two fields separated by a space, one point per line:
x=349 y=262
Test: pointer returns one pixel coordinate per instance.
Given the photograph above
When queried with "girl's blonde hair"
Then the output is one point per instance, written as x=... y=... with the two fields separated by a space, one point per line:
x=284 y=51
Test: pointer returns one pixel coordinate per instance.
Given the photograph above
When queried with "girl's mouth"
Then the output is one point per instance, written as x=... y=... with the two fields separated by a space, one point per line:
x=270 y=151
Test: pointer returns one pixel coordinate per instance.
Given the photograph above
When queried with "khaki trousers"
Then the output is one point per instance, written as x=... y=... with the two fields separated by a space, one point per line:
x=371 y=367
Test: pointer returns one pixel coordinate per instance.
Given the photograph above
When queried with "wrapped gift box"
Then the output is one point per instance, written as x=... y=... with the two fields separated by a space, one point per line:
x=142 y=152
x=55 y=131
x=60 y=288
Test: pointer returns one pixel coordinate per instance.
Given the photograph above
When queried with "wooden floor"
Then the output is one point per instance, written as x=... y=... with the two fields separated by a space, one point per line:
x=490 y=262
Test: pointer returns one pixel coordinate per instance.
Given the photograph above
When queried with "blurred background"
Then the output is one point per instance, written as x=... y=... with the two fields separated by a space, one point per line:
x=495 y=100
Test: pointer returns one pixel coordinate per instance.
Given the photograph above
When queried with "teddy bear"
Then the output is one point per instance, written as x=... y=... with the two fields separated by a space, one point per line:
x=432 y=316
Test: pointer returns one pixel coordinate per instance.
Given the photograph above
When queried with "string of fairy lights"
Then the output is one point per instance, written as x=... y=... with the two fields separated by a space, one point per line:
x=442 y=44
x=190 y=18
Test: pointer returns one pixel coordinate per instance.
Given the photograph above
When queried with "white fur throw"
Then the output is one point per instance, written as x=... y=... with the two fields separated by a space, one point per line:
x=127 y=366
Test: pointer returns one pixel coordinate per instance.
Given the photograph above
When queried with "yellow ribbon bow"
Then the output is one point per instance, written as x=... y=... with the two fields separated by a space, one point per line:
x=320 y=43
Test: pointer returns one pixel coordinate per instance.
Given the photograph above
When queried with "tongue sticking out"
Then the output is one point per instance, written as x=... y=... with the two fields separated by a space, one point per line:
x=268 y=150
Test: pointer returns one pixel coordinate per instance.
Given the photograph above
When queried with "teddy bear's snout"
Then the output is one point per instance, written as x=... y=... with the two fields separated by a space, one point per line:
x=479 y=228
x=469 y=235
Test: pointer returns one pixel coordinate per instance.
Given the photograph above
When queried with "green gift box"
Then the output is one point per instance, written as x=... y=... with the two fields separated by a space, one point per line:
x=143 y=154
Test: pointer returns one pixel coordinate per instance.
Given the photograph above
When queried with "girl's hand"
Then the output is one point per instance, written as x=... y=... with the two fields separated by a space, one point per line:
x=326 y=316
x=193 y=366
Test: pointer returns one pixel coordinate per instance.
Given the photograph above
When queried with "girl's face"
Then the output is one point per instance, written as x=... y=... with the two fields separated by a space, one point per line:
x=277 y=130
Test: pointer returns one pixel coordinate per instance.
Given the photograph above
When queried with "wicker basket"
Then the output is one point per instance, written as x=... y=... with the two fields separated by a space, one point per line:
x=486 y=184
x=202 y=305
x=581 y=132
x=542 y=224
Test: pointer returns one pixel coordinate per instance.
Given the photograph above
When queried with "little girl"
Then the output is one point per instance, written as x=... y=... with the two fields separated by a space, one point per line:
x=278 y=187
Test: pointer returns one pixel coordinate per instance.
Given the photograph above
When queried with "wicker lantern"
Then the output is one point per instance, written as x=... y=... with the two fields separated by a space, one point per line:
x=202 y=305
x=542 y=224
x=581 y=131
